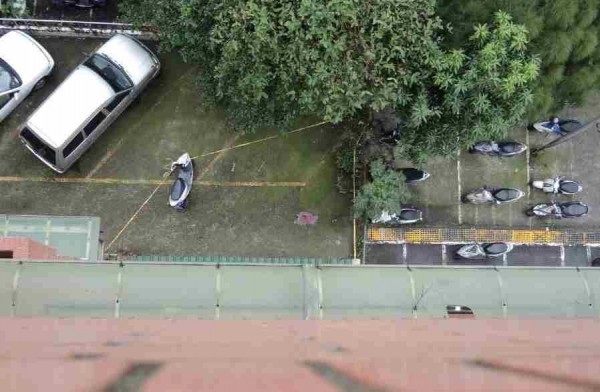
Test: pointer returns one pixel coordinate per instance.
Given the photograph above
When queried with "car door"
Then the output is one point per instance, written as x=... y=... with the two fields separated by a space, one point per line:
x=73 y=150
x=100 y=122
x=7 y=104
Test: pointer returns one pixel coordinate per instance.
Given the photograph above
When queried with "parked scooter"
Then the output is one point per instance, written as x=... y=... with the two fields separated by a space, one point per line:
x=503 y=149
x=412 y=175
x=571 y=209
x=81 y=3
x=484 y=251
x=496 y=196
x=180 y=190
x=558 y=185
x=406 y=216
x=557 y=126
x=391 y=138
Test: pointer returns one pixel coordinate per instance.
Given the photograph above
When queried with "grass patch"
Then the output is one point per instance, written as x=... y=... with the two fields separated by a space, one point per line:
x=321 y=183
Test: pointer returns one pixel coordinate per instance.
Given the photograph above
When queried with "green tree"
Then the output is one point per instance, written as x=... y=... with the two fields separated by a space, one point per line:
x=12 y=8
x=564 y=33
x=477 y=92
x=386 y=191
x=269 y=61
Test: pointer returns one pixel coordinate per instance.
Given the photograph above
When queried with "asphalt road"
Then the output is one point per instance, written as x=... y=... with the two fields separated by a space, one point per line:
x=549 y=256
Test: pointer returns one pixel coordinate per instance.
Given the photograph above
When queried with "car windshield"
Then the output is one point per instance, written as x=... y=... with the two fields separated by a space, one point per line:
x=8 y=78
x=38 y=146
x=109 y=71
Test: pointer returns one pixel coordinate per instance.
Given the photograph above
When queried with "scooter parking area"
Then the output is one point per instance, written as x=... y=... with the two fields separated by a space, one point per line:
x=439 y=198
x=248 y=188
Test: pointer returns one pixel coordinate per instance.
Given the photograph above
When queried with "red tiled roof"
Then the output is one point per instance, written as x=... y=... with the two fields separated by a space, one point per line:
x=412 y=355
x=28 y=249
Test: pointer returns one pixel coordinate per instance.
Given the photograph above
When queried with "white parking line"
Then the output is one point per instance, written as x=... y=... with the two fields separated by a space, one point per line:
x=444 y=255
x=504 y=260
x=404 y=252
x=528 y=160
x=562 y=256
x=588 y=251
x=459 y=189
x=571 y=155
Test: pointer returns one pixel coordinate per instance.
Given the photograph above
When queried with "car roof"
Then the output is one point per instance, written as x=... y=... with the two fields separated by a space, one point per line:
x=130 y=54
x=76 y=99
x=25 y=55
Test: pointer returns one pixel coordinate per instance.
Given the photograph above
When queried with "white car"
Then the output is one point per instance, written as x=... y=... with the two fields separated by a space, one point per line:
x=72 y=118
x=24 y=66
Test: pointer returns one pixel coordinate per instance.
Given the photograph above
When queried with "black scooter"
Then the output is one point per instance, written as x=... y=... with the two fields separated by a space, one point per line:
x=81 y=3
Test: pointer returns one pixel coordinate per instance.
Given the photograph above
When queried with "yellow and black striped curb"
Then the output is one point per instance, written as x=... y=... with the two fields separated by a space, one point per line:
x=377 y=234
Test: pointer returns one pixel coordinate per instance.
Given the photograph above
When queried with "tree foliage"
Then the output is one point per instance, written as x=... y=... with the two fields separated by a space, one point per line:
x=267 y=61
x=386 y=191
x=12 y=9
x=476 y=92
x=563 y=32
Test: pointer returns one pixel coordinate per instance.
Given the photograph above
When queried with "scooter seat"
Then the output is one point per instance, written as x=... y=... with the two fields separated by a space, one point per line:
x=506 y=194
x=508 y=147
x=177 y=189
x=413 y=175
x=574 y=209
x=495 y=248
x=569 y=187
x=410 y=214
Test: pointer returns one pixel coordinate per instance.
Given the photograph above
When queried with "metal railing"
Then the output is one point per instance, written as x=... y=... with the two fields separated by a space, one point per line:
x=75 y=28
x=240 y=260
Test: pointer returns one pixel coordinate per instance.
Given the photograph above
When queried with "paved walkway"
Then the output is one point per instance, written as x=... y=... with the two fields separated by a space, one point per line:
x=568 y=237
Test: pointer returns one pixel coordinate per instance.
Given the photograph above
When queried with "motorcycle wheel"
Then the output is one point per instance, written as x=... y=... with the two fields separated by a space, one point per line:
x=182 y=206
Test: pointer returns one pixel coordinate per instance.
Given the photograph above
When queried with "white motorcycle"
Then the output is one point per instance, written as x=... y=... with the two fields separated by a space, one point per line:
x=557 y=126
x=558 y=185
x=571 y=209
x=484 y=251
x=181 y=188
x=405 y=216
x=495 y=196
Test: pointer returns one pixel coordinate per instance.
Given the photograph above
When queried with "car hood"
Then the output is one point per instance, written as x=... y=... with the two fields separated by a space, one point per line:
x=25 y=56
x=136 y=61
x=70 y=105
